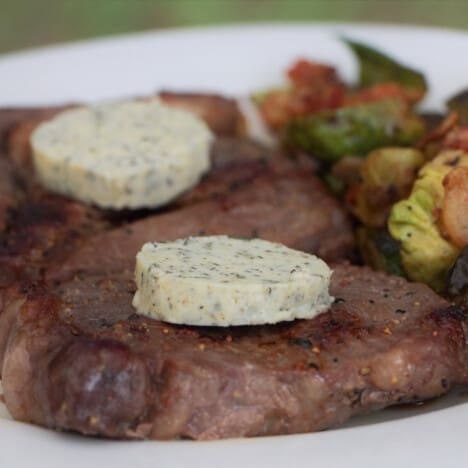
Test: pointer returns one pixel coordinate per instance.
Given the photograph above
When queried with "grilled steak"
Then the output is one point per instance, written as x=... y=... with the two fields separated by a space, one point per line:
x=78 y=358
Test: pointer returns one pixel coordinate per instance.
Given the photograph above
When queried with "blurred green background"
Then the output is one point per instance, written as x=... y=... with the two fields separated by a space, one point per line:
x=31 y=23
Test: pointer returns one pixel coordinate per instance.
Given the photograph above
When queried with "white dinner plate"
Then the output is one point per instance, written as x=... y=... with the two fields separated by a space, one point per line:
x=237 y=60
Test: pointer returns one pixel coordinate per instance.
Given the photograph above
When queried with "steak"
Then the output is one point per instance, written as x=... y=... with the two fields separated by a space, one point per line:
x=75 y=356
x=79 y=359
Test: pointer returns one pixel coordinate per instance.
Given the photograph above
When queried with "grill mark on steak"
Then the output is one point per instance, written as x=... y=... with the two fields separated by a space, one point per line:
x=99 y=369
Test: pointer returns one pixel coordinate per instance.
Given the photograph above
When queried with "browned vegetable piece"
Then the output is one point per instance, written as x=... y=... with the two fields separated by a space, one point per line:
x=387 y=175
x=313 y=87
x=348 y=170
x=457 y=280
x=431 y=143
x=379 y=250
x=456 y=139
x=458 y=274
x=455 y=206
x=277 y=108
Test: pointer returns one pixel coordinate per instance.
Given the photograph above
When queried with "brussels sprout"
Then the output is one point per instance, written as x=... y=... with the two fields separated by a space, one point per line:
x=414 y=222
x=356 y=130
x=459 y=104
x=379 y=250
x=387 y=176
x=376 y=67
x=344 y=174
x=335 y=185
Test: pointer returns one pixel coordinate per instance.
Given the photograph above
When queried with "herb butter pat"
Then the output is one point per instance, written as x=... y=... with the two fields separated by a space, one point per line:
x=129 y=154
x=223 y=281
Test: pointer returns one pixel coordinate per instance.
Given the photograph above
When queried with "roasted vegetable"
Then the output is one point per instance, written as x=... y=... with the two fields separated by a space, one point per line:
x=416 y=223
x=312 y=87
x=387 y=176
x=432 y=120
x=376 y=67
x=355 y=130
x=459 y=104
x=455 y=206
x=343 y=174
x=379 y=250
x=457 y=138
x=457 y=280
x=434 y=139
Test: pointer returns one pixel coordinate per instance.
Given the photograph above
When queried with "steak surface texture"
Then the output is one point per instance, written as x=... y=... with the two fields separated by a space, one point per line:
x=78 y=358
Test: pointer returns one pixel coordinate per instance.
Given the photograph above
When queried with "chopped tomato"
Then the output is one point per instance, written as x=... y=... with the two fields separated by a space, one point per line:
x=305 y=73
x=279 y=107
x=276 y=109
x=315 y=87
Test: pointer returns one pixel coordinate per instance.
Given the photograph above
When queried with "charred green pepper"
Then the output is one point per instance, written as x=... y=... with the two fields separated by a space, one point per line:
x=355 y=130
x=387 y=175
x=376 y=67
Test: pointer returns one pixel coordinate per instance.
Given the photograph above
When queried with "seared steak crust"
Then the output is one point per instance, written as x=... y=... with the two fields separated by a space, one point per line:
x=78 y=358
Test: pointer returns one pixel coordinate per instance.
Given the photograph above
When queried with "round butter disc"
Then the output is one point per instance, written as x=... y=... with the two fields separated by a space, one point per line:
x=223 y=281
x=130 y=154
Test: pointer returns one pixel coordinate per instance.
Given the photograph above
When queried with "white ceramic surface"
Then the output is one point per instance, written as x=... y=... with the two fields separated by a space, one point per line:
x=238 y=60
